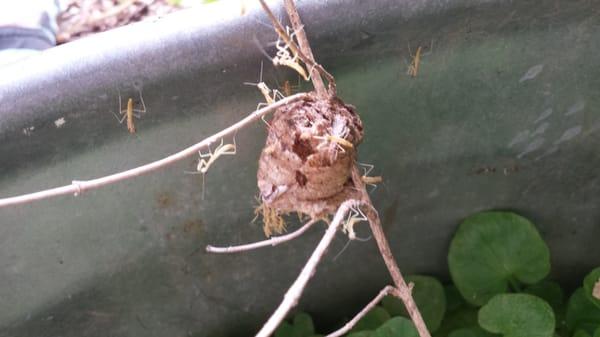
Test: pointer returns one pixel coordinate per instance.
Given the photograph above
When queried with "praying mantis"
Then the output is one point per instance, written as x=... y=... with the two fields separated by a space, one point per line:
x=413 y=67
x=338 y=136
x=370 y=180
x=265 y=91
x=271 y=95
x=129 y=113
x=284 y=58
x=227 y=149
x=204 y=164
x=355 y=215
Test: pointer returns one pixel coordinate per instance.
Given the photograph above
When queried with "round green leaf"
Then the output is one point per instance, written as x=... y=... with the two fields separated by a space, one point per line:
x=454 y=300
x=517 y=315
x=491 y=250
x=429 y=296
x=303 y=325
x=465 y=317
x=396 y=327
x=361 y=334
x=581 y=313
x=372 y=320
x=285 y=329
x=550 y=292
x=591 y=283
x=581 y=333
x=471 y=332
x=597 y=332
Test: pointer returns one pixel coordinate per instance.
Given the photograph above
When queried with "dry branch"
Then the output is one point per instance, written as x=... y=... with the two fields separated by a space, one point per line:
x=404 y=291
x=348 y=326
x=274 y=241
x=78 y=187
x=309 y=61
x=293 y=294
x=292 y=12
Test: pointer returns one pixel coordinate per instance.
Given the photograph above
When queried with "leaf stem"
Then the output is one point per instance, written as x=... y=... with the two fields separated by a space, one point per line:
x=514 y=284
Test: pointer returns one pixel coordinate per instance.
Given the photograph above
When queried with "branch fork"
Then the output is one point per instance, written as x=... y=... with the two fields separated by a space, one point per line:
x=400 y=288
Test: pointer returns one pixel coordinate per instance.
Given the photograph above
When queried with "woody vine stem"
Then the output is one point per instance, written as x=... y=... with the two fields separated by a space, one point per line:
x=402 y=290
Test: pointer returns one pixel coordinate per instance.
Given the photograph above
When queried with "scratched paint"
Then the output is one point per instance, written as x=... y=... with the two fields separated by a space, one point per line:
x=519 y=138
x=532 y=73
x=28 y=130
x=569 y=134
x=540 y=130
x=545 y=114
x=59 y=122
x=550 y=151
x=575 y=108
x=534 y=145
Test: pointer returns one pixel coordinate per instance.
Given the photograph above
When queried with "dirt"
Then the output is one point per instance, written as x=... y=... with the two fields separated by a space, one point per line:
x=85 y=17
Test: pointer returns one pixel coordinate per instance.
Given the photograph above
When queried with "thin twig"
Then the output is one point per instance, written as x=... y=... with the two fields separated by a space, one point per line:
x=384 y=292
x=295 y=49
x=404 y=291
x=274 y=241
x=77 y=187
x=292 y=12
x=293 y=294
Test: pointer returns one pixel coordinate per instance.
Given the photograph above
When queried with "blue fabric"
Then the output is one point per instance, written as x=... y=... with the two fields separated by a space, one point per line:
x=21 y=40
x=25 y=38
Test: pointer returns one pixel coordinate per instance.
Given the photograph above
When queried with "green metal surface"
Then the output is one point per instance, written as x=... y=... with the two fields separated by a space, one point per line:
x=503 y=114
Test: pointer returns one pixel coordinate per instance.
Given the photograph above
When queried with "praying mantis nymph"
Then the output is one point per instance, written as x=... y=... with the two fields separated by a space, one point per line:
x=266 y=92
x=130 y=125
x=370 y=180
x=291 y=63
x=339 y=132
x=413 y=68
x=354 y=216
x=130 y=112
x=204 y=164
x=335 y=139
x=284 y=58
x=270 y=95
